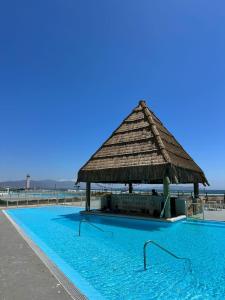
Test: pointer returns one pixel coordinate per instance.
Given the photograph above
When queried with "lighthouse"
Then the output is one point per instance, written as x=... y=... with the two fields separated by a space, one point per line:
x=27 y=182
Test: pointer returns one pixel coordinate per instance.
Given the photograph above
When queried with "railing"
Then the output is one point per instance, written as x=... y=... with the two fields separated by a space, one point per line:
x=94 y=226
x=163 y=249
x=36 y=201
x=212 y=205
x=195 y=210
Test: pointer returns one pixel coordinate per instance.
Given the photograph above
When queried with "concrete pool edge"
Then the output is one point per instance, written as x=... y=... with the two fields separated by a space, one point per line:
x=76 y=293
x=133 y=217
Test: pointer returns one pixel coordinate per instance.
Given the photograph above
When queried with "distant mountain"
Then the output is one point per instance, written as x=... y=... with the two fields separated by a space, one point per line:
x=69 y=184
x=54 y=184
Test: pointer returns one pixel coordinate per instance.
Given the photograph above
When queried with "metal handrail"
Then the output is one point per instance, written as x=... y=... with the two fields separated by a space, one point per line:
x=164 y=206
x=164 y=249
x=91 y=224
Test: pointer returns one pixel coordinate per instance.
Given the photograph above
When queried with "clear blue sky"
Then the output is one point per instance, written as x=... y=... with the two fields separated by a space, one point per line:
x=71 y=70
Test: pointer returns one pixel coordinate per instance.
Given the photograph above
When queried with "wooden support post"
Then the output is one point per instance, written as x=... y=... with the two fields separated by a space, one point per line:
x=166 y=194
x=194 y=199
x=196 y=190
x=130 y=188
x=88 y=196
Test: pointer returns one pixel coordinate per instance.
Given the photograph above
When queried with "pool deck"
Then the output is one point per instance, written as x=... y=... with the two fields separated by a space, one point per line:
x=23 y=276
x=216 y=215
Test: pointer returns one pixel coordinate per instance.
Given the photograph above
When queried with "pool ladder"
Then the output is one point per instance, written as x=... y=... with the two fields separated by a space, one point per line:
x=163 y=249
x=94 y=226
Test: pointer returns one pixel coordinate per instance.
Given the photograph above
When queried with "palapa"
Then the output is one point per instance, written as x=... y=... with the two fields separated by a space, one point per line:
x=141 y=150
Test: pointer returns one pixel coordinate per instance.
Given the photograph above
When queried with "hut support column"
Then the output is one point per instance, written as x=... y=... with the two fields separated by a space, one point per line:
x=196 y=190
x=130 y=188
x=88 y=196
x=194 y=199
x=166 y=194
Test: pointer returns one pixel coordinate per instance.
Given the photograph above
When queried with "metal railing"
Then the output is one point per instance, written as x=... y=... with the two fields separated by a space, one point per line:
x=163 y=249
x=94 y=226
x=195 y=210
x=212 y=205
x=38 y=201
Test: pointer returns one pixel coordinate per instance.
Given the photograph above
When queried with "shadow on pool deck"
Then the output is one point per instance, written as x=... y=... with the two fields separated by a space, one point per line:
x=23 y=276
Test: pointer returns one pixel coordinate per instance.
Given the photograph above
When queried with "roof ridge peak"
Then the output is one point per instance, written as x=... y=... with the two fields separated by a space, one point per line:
x=155 y=131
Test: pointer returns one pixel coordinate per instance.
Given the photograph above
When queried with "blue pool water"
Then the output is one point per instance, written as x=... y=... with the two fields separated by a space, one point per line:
x=110 y=266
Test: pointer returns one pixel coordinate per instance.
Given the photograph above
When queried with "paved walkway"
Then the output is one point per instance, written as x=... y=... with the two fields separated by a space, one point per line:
x=216 y=215
x=23 y=276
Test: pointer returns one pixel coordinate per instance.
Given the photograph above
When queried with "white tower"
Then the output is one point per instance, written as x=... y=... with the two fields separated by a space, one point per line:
x=28 y=182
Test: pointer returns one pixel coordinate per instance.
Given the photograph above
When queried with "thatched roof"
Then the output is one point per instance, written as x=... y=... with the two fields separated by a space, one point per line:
x=141 y=150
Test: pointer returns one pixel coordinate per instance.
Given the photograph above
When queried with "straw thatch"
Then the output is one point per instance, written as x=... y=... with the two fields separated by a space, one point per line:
x=141 y=150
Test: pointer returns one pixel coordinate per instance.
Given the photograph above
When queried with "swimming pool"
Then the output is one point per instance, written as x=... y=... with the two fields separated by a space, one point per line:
x=110 y=265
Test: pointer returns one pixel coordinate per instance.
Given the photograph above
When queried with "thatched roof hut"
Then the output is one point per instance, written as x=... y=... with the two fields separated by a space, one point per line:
x=141 y=150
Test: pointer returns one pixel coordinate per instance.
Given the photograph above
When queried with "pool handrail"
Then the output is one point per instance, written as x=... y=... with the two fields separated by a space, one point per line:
x=91 y=224
x=163 y=249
